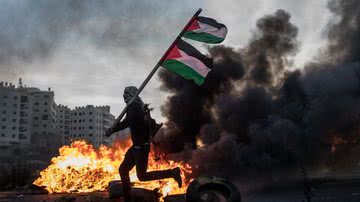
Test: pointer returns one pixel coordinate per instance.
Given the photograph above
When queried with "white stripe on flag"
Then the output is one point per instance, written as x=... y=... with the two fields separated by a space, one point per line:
x=221 y=33
x=195 y=64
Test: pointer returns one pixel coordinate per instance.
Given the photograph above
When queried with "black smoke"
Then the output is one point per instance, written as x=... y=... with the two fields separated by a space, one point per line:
x=255 y=116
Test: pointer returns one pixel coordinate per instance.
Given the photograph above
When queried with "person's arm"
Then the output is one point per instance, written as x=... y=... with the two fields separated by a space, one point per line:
x=121 y=125
x=129 y=118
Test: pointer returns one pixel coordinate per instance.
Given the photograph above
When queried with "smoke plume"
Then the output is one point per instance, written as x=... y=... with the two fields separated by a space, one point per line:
x=256 y=116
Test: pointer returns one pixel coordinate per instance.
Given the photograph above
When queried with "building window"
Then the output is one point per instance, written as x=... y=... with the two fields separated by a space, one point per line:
x=79 y=128
x=36 y=125
x=2 y=135
x=90 y=134
x=75 y=114
x=14 y=113
x=74 y=128
x=4 y=119
x=4 y=104
x=24 y=98
x=14 y=128
x=14 y=105
x=13 y=136
x=45 y=117
x=75 y=121
x=90 y=120
x=46 y=96
x=45 y=103
x=14 y=120
x=4 y=112
x=45 y=110
x=15 y=97
x=36 y=103
x=44 y=125
x=3 y=127
x=22 y=136
x=5 y=96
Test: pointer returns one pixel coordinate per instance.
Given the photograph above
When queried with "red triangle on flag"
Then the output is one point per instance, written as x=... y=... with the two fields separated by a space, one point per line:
x=174 y=53
x=194 y=26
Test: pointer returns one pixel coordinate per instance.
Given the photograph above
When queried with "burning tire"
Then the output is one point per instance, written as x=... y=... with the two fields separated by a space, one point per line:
x=206 y=189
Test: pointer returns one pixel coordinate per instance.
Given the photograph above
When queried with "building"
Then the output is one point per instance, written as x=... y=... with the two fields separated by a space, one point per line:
x=31 y=116
x=43 y=118
x=63 y=122
x=9 y=114
x=89 y=123
x=28 y=116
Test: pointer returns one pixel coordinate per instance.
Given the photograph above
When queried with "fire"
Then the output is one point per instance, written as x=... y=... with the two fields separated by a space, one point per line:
x=336 y=141
x=82 y=168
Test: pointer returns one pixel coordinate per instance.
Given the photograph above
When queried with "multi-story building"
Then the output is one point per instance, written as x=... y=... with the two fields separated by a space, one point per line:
x=31 y=116
x=9 y=114
x=44 y=118
x=63 y=122
x=27 y=116
x=90 y=123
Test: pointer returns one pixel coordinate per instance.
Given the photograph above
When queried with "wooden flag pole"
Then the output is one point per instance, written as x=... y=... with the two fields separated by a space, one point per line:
x=153 y=71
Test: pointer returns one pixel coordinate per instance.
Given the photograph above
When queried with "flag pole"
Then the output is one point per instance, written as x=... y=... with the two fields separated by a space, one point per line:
x=153 y=71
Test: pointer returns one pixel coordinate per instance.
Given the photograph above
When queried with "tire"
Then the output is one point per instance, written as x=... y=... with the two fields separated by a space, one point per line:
x=212 y=189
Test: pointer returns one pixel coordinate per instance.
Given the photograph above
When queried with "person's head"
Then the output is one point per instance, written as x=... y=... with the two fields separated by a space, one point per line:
x=129 y=93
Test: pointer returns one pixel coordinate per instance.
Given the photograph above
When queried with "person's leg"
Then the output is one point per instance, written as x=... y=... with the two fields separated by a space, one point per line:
x=124 y=169
x=141 y=160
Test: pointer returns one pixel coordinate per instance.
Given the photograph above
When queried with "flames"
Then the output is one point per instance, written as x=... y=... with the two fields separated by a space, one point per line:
x=82 y=168
x=337 y=140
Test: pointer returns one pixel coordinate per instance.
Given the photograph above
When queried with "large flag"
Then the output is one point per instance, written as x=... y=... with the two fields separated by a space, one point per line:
x=206 y=30
x=187 y=61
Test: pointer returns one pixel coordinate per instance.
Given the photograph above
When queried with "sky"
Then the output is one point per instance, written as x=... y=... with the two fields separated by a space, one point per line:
x=88 y=51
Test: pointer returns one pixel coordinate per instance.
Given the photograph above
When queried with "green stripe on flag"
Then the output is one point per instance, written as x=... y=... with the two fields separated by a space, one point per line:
x=203 y=37
x=183 y=70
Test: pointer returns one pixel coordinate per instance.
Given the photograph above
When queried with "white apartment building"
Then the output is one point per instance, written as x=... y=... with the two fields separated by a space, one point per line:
x=27 y=116
x=63 y=122
x=9 y=114
x=44 y=118
x=31 y=116
x=89 y=123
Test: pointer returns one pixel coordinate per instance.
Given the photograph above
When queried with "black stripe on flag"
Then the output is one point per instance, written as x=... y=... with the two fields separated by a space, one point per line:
x=211 y=22
x=191 y=51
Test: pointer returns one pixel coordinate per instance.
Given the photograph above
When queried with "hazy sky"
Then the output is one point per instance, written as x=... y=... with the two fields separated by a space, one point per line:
x=88 y=51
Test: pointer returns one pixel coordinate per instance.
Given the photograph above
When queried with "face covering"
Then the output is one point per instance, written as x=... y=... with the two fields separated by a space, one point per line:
x=129 y=93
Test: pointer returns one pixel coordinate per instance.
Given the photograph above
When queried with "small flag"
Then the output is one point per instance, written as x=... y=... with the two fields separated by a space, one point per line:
x=206 y=30
x=187 y=61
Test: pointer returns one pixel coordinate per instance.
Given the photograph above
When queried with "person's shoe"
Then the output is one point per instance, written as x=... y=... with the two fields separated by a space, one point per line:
x=177 y=176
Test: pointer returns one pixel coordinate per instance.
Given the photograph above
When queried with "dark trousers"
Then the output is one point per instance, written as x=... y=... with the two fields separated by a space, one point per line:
x=138 y=156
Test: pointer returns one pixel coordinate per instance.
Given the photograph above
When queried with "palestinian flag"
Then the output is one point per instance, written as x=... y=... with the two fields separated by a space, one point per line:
x=188 y=62
x=206 y=30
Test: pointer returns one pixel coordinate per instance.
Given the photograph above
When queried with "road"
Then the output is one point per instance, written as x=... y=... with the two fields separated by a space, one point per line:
x=325 y=190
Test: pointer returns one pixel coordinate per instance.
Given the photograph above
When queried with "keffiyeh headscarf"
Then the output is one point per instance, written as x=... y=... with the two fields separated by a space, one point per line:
x=129 y=93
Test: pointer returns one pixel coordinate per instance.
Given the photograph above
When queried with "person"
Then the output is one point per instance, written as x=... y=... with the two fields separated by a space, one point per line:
x=137 y=154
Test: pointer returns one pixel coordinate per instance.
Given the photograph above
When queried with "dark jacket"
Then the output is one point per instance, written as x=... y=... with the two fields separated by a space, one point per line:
x=135 y=120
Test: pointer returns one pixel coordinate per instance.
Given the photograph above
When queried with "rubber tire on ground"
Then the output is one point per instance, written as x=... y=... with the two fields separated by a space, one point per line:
x=223 y=187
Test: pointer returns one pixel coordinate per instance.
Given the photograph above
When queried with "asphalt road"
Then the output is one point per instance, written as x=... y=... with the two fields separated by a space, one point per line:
x=325 y=190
